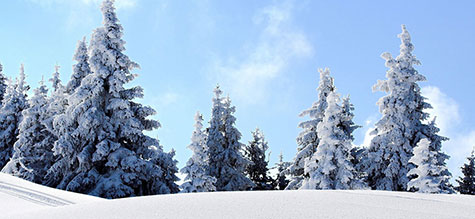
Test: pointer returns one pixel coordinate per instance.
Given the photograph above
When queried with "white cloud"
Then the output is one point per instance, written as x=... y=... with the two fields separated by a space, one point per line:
x=278 y=43
x=444 y=108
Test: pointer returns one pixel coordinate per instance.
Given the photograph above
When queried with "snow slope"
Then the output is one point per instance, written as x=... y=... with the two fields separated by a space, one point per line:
x=17 y=195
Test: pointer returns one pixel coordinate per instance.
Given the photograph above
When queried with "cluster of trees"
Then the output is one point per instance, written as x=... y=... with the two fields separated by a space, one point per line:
x=87 y=136
x=404 y=153
x=220 y=162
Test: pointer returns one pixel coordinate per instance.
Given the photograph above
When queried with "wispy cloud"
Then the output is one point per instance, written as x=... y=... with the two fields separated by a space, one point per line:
x=277 y=45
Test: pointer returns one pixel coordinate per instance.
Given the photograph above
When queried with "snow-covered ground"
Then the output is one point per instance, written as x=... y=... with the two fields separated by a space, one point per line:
x=22 y=199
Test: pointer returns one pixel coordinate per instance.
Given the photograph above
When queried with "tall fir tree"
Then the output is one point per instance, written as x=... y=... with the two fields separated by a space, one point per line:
x=467 y=181
x=401 y=125
x=57 y=103
x=33 y=153
x=102 y=149
x=257 y=171
x=196 y=169
x=429 y=174
x=3 y=84
x=81 y=68
x=308 y=138
x=281 y=180
x=330 y=166
x=14 y=102
x=227 y=164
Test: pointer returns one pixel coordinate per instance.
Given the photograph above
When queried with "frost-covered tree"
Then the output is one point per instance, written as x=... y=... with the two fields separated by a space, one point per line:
x=55 y=80
x=33 y=153
x=57 y=103
x=281 y=180
x=429 y=174
x=255 y=152
x=196 y=169
x=3 y=83
x=14 y=102
x=102 y=149
x=308 y=138
x=401 y=125
x=226 y=161
x=81 y=68
x=467 y=181
x=330 y=166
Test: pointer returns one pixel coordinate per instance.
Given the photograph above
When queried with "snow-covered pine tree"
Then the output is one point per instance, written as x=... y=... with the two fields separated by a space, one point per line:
x=102 y=149
x=429 y=177
x=467 y=181
x=196 y=169
x=3 y=83
x=14 y=102
x=308 y=138
x=330 y=166
x=401 y=125
x=33 y=153
x=57 y=103
x=227 y=164
x=55 y=80
x=81 y=68
x=281 y=180
x=430 y=132
x=257 y=171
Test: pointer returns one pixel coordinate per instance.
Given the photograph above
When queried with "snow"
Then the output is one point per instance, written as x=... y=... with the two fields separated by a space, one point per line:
x=20 y=197
x=23 y=199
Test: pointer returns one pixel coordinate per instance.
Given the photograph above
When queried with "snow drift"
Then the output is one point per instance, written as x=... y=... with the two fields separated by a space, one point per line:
x=23 y=199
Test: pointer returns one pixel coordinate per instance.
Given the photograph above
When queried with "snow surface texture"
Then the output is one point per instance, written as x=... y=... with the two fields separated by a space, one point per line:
x=23 y=199
x=19 y=197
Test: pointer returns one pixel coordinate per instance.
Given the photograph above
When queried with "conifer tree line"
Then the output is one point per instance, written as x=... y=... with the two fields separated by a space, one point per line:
x=87 y=135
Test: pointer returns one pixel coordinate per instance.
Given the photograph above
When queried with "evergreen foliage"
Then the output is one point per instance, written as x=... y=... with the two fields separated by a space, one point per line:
x=227 y=164
x=429 y=174
x=33 y=153
x=257 y=171
x=330 y=166
x=14 y=102
x=467 y=181
x=81 y=68
x=308 y=139
x=401 y=126
x=196 y=169
x=102 y=149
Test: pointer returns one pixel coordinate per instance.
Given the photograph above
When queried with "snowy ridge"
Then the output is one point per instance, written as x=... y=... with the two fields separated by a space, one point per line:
x=23 y=199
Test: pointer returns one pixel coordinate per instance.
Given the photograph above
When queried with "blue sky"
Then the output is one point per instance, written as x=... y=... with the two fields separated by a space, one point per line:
x=264 y=54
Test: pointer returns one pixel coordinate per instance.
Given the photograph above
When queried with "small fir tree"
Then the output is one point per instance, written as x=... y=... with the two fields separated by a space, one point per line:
x=429 y=175
x=33 y=153
x=257 y=171
x=3 y=84
x=13 y=104
x=196 y=169
x=467 y=181
x=330 y=166
x=308 y=138
x=281 y=180
x=227 y=164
